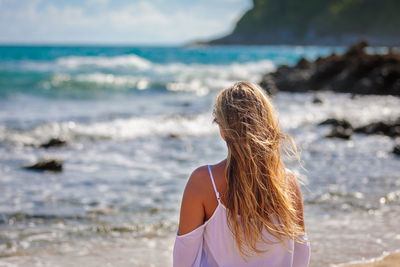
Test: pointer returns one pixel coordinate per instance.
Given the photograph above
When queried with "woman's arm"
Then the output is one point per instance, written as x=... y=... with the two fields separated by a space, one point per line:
x=296 y=191
x=189 y=241
x=302 y=250
x=192 y=208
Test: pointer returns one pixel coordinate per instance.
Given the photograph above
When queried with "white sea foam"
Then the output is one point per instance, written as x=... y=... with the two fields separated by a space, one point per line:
x=118 y=129
x=145 y=126
x=245 y=69
x=126 y=61
x=97 y=79
x=300 y=112
x=200 y=78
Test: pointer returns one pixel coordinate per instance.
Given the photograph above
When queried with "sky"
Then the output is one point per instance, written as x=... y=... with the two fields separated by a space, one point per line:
x=157 y=22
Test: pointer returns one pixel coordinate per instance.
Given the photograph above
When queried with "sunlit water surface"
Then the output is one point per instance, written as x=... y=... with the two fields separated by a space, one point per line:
x=138 y=122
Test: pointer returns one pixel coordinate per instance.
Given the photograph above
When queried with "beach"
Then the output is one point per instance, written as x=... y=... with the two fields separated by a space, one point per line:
x=134 y=122
x=391 y=260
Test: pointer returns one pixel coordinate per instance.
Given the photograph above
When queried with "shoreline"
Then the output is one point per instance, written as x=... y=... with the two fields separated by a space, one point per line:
x=388 y=259
x=135 y=251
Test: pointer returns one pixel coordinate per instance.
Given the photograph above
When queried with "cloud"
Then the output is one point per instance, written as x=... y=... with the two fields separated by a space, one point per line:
x=97 y=2
x=103 y=21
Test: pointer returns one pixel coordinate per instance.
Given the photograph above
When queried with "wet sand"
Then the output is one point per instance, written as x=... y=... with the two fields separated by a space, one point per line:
x=391 y=260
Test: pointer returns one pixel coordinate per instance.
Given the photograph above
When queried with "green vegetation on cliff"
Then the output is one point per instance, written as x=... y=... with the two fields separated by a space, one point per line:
x=308 y=20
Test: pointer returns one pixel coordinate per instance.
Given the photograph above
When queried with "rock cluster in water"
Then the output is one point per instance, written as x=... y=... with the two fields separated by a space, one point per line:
x=344 y=130
x=355 y=72
x=53 y=165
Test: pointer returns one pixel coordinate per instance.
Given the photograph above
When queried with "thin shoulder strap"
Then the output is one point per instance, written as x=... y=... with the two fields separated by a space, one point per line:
x=213 y=183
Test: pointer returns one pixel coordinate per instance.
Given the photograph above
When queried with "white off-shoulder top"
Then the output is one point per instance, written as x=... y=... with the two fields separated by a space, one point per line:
x=213 y=244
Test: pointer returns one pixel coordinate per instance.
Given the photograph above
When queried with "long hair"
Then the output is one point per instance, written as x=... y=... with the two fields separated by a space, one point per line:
x=258 y=194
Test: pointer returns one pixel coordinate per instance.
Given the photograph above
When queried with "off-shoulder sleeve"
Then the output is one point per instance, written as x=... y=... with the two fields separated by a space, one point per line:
x=188 y=248
x=301 y=253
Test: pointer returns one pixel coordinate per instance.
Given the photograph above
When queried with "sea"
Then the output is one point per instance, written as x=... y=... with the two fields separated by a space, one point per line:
x=138 y=120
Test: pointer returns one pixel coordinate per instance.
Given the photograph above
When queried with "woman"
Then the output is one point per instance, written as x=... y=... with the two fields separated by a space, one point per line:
x=247 y=210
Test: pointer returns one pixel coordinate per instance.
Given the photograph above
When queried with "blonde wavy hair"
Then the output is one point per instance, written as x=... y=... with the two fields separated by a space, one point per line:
x=259 y=195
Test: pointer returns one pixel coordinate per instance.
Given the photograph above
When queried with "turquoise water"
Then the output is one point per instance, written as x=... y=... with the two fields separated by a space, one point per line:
x=137 y=121
x=89 y=71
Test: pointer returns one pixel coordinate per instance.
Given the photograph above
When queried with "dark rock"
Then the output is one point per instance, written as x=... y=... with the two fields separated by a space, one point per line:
x=317 y=100
x=54 y=142
x=354 y=72
x=340 y=132
x=337 y=123
x=396 y=150
x=186 y=104
x=340 y=128
x=269 y=86
x=173 y=136
x=357 y=49
x=46 y=165
x=303 y=63
x=388 y=128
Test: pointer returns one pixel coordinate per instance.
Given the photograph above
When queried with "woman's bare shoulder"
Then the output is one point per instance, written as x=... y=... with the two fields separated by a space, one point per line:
x=198 y=182
x=200 y=179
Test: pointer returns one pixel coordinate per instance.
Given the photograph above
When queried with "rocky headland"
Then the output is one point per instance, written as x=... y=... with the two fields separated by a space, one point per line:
x=310 y=22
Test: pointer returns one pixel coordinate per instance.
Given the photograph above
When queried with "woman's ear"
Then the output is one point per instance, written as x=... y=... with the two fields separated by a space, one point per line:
x=221 y=133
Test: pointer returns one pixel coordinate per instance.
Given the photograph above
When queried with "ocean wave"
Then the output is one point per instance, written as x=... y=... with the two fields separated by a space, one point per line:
x=95 y=81
x=125 y=61
x=201 y=78
x=174 y=77
x=135 y=62
x=117 y=129
x=295 y=111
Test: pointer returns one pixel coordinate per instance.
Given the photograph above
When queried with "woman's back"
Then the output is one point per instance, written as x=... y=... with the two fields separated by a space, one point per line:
x=246 y=210
x=213 y=244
